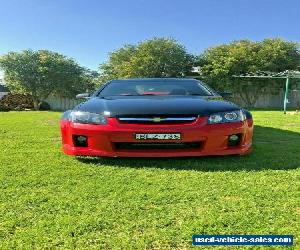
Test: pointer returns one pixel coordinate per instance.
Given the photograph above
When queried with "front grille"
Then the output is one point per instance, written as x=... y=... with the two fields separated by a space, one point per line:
x=158 y=146
x=158 y=119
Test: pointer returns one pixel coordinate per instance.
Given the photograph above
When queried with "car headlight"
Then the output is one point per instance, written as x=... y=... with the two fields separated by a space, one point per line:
x=225 y=117
x=84 y=117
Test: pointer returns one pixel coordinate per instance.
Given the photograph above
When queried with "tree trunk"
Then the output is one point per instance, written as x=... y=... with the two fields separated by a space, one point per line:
x=35 y=103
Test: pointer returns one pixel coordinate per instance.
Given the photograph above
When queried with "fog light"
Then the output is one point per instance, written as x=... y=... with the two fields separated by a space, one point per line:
x=80 y=140
x=233 y=140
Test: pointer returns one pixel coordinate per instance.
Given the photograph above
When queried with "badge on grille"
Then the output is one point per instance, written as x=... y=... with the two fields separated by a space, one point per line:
x=156 y=119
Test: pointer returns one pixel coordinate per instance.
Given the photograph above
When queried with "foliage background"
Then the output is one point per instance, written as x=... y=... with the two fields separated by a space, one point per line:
x=41 y=73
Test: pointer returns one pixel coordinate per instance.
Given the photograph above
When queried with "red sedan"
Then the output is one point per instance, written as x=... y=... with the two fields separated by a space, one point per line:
x=162 y=117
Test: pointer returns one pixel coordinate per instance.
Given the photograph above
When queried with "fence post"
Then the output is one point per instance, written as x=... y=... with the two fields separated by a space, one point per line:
x=286 y=94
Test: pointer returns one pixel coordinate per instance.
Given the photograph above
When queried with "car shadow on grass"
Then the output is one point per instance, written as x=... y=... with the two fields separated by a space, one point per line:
x=275 y=149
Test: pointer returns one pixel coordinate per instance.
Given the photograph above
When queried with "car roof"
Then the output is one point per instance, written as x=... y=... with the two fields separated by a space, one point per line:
x=154 y=79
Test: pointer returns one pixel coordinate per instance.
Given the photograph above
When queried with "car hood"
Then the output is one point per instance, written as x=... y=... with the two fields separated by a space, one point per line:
x=156 y=105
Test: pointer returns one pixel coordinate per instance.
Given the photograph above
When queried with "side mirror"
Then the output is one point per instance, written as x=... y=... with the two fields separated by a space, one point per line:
x=225 y=94
x=83 y=96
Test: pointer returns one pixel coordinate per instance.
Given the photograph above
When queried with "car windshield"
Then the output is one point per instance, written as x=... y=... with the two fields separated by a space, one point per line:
x=164 y=88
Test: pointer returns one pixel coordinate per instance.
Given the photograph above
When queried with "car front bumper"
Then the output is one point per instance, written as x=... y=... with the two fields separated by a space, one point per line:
x=102 y=139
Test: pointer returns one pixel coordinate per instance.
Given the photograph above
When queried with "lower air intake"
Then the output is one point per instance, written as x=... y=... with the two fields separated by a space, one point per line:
x=156 y=146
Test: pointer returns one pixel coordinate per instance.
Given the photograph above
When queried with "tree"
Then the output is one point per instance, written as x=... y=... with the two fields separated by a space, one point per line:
x=41 y=73
x=118 y=65
x=158 y=57
x=219 y=63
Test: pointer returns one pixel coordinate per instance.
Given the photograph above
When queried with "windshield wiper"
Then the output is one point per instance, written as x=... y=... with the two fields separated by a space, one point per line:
x=118 y=95
x=199 y=95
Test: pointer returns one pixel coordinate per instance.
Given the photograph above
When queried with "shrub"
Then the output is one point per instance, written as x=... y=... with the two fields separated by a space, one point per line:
x=3 y=108
x=44 y=106
x=13 y=101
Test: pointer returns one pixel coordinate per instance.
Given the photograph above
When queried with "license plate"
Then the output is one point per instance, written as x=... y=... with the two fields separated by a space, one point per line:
x=173 y=136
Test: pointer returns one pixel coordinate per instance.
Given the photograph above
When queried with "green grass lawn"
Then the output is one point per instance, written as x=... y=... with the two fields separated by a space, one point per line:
x=49 y=200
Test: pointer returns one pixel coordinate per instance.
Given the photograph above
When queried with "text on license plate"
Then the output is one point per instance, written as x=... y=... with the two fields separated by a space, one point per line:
x=173 y=136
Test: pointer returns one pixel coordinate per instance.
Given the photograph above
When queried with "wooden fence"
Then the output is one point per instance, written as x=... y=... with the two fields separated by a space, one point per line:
x=61 y=103
x=265 y=101
x=273 y=101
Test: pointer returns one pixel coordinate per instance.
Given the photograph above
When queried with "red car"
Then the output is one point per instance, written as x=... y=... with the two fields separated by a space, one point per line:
x=161 y=117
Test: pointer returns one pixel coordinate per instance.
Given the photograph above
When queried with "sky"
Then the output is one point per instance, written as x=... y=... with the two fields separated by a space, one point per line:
x=88 y=30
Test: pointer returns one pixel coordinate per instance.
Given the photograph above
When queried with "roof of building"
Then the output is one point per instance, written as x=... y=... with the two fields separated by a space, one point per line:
x=3 y=88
